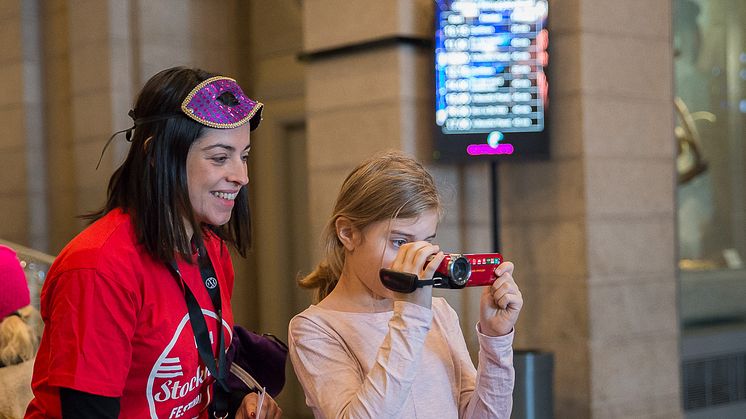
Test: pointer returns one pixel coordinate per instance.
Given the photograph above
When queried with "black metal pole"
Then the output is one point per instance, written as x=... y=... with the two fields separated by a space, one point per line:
x=495 y=203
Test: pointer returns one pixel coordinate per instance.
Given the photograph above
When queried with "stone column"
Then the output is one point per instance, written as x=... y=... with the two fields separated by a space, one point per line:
x=87 y=92
x=14 y=186
x=365 y=89
x=90 y=101
x=592 y=229
x=61 y=176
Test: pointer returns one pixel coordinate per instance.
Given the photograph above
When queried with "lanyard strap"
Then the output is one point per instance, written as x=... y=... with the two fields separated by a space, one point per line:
x=218 y=369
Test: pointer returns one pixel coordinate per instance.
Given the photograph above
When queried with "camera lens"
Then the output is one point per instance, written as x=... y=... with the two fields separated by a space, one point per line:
x=460 y=270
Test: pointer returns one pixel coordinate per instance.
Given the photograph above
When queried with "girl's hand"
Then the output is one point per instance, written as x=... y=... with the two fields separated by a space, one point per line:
x=500 y=303
x=270 y=409
x=412 y=258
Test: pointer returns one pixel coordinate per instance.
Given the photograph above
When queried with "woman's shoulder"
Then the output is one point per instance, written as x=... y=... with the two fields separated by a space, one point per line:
x=113 y=231
x=109 y=245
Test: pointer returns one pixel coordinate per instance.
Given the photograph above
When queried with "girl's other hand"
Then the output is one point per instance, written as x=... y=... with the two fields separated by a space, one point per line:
x=500 y=303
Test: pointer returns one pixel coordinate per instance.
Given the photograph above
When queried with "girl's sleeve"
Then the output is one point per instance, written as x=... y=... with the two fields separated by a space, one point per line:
x=332 y=378
x=488 y=392
x=493 y=397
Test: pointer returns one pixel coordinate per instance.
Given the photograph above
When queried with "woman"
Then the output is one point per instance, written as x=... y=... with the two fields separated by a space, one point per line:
x=127 y=300
x=367 y=352
x=20 y=328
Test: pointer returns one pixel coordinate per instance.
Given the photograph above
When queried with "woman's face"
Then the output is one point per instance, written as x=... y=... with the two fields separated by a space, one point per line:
x=216 y=171
x=377 y=246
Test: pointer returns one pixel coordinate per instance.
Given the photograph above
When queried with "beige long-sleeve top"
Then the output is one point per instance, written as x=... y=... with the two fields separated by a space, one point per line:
x=411 y=362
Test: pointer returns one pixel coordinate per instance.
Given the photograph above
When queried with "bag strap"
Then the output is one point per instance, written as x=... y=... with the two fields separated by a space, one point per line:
x=217 y=367
x=247 y=379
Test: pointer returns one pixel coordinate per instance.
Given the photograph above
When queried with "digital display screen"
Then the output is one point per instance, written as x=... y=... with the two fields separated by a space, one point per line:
x=491 y=86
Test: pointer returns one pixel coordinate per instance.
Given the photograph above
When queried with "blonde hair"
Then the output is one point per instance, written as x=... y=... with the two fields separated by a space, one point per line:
x=19 y=336
x=386 y=186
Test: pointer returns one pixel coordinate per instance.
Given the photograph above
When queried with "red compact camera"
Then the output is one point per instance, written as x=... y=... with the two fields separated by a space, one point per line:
x=455 y=271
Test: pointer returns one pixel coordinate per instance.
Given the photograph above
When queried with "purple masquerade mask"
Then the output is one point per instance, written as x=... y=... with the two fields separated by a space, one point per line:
x=219 y=102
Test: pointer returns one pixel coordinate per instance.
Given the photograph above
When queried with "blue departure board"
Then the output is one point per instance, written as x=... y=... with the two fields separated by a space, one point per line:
x=491 y=85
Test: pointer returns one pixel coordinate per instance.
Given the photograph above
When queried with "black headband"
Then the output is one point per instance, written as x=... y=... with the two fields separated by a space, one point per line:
x=128 y=131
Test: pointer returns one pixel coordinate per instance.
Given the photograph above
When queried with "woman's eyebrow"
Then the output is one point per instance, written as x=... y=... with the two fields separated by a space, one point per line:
x=225 y=146
x=219 y=145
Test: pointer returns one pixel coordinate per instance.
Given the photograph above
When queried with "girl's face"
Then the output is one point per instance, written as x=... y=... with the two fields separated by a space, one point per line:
x=376 y=247
x=216 y=171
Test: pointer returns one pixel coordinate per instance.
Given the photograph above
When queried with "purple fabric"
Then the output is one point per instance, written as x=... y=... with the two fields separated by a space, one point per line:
x=203 y=106
x=262 y=356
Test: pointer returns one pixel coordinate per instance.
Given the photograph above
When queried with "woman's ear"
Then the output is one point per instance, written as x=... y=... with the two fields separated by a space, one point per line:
x=346 y=233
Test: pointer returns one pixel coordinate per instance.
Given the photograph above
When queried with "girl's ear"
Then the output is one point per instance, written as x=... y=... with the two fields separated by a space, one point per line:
x=346 y=233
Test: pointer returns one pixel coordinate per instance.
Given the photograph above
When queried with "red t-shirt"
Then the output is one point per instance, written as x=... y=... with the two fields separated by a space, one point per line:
x=116 y=325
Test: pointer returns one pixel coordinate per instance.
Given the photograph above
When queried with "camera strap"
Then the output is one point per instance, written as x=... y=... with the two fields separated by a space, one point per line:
x=404 y=282
x=217 y=367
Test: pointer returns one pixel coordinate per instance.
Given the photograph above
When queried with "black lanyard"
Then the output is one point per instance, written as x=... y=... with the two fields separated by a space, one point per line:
x=199 y=326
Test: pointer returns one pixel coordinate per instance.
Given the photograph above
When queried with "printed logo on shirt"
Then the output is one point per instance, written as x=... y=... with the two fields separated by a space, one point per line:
x=211 y=282
x=172 y=392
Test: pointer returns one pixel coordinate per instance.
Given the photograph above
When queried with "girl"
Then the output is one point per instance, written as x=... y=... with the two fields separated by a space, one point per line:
x=20 y=329
x=364 y=351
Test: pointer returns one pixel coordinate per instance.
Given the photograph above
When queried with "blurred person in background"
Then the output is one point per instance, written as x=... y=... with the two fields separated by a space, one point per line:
x=20 y=330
